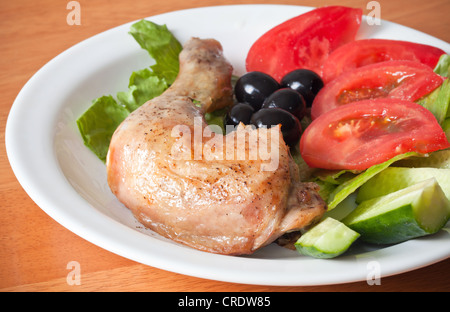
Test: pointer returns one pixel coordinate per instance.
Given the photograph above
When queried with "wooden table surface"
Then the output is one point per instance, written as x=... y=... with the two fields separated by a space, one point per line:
x=35 y=250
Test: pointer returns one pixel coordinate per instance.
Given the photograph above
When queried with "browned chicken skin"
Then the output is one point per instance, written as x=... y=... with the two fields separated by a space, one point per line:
x=198 y=191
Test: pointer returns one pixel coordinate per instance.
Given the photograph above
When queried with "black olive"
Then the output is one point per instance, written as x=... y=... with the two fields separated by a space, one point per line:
x=241 y=112
x=304 y=81
x=254 y=87
x=287 y=99
x=290 y=125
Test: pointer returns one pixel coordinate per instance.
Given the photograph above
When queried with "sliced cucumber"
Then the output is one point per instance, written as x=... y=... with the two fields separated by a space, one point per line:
x=415 y=211
x=328 y=239
x=396 y=178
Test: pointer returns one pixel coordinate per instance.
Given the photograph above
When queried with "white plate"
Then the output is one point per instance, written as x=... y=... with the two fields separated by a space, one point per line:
x=68 y=182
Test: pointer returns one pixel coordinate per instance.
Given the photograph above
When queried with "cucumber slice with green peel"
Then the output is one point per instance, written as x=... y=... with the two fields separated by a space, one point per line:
x=327 y=239
x=393 y=179
x=415 y=211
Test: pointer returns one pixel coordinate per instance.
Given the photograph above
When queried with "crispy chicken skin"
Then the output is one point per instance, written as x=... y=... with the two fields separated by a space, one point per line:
x=218 y=204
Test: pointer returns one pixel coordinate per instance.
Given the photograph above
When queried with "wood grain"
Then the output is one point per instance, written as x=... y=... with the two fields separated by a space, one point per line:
x=35 y=250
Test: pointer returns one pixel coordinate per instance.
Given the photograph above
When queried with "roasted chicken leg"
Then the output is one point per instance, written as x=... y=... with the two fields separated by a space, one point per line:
x=195 y=189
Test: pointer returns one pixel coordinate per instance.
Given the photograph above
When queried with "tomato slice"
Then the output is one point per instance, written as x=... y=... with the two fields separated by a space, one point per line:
x=404 y=80
x=304 y=41
x=359 y=135
x=368 y=51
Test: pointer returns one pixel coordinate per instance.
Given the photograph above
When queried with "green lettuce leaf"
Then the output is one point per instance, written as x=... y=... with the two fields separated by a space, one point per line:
x=443 y=66
x=162 y=46
x=144 y=85
x=336 y=177
x=446 y=127
x=438 y=159
x=348 y=187
x=438 y=101
x=217 y=118
x=99 y=122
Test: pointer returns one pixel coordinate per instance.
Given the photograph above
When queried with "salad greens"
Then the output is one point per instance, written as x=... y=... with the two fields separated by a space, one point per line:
x=438 y=101
x=446 y=127
x=144 y=85
x=439 y=159
x=349 y=186
x=162 y=46
x=100 y=120
x=443 y=66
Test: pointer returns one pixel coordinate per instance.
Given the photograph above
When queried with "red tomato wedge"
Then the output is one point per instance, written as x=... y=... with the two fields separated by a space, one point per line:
x=359 y=135
x=304 y=41
x=403 y=80
x=368 y=51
